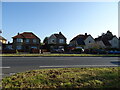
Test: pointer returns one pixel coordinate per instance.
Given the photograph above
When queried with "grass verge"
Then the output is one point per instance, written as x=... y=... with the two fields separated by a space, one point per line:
x=65 y=78
x=116 y=55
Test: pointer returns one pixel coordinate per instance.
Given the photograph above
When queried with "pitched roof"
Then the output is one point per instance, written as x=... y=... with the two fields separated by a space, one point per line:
x=2 y=38
x=106 y=42
x=83 y=37
x=60 y=35
x=80 y=39
x=104 y=39
x=29 y=35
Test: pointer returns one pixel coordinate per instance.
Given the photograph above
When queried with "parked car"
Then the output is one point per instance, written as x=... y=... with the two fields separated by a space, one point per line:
x=113 y=52
x=77 y=50
x=57 y=51
x=99 y=51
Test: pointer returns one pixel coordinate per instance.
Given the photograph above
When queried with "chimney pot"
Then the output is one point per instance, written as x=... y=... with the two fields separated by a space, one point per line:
x=60 y=33
x=85 y=33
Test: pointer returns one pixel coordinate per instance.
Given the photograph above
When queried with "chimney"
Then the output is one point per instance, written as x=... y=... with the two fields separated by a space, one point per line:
x=8 y=42
x=85 y=34
x=60 y=33
x=18 y=33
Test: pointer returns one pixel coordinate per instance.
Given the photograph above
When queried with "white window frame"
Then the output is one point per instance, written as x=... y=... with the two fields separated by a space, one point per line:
x=19 y=40
x=61 y=40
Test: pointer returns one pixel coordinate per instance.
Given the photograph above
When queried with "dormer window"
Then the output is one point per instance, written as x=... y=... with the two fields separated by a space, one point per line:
x=19 y=40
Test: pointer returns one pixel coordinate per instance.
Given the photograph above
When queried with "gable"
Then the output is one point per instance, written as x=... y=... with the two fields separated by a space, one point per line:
x=90 y=38
x=115 y=38
x=80 y=41
x=52 y=37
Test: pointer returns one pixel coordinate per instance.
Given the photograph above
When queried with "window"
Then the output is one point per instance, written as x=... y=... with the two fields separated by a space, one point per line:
x=34 y=47
x=27 y=40
x=52 y=40
x=34 y=40
x=61 y=47
x=9 y=46
x=19 y=40
x=61 y=40
x=18 y=47
x=89 y=41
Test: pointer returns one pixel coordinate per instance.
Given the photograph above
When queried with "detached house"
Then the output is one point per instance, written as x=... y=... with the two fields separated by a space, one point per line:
x=85 y=41
x=26 y=41
x=3 y=40
x=107 y=40
x=56 y=41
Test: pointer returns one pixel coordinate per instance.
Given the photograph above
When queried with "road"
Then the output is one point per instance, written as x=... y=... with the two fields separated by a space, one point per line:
x=11 y=65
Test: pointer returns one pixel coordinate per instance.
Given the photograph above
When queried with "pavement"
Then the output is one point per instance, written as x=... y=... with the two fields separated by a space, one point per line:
x=12 y=65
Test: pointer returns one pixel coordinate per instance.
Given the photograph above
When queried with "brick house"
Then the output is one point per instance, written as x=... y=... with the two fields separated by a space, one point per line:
x=26 y=41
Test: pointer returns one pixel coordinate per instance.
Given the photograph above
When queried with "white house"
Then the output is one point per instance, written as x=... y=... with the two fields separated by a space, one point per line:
x=114 y=42
x=107 y=40
x=85 y=41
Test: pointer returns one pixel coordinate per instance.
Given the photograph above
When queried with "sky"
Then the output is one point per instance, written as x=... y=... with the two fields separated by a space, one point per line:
x=70 y=18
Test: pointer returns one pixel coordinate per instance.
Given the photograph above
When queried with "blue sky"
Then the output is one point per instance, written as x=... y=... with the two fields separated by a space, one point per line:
x=71 y=18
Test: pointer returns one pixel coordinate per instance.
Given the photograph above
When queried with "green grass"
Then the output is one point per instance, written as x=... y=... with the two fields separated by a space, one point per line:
x=65 y=78
x=60 y=55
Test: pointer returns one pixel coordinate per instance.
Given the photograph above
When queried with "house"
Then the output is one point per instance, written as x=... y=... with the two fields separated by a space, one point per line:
x=55 y=41
x=3 y=40
x=4 y=46
x=26 y=41
x=8 y=46
x=2 y=43
x=86 y=41
x=107 y=40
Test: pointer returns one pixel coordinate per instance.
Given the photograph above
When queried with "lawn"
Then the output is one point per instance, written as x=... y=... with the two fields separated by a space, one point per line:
x=116 y=55
x=65 y=78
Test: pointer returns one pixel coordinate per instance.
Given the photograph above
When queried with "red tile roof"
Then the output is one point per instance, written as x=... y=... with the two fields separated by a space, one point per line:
x=26 y=35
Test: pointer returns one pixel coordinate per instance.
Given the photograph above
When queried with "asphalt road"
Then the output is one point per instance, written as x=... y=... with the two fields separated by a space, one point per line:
x=11 y=65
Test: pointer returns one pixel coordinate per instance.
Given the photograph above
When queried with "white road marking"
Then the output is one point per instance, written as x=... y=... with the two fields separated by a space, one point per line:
x=80 y=66
x=4 y=67
x=7 y=74
x=114 y=60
